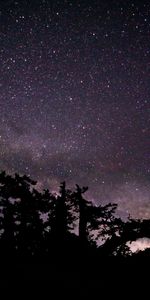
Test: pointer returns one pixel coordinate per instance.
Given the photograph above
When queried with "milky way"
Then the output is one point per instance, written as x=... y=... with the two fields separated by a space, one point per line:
x=75 y=96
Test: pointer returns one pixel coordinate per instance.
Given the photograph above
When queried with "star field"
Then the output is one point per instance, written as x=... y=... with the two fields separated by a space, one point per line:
x=75 y=96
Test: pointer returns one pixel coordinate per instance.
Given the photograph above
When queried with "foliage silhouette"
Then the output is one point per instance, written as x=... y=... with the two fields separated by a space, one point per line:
x=40 y=225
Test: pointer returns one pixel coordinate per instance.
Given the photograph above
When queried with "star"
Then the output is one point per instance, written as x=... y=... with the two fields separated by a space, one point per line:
x=74 y=97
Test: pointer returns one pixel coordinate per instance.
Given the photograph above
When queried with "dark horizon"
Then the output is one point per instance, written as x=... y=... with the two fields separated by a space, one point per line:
x=23 y=203
x=46 y=255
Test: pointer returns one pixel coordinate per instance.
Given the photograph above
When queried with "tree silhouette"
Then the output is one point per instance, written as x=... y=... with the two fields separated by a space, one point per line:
x=125 y=233
x=8 y=214
x=36 y=224
x=59 y=217
x=21 y=222
x=83 y=207
x=8 y=228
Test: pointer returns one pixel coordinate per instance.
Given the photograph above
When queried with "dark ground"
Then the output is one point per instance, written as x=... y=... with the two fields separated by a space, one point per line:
x=111 y=278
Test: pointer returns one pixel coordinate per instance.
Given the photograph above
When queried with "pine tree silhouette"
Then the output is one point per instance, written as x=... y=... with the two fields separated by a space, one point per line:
x=83 y=205
x=38 y=224
x=21 y=222
x=29 y=223
x=8 y=227
x=62 y=218
x=8 y=214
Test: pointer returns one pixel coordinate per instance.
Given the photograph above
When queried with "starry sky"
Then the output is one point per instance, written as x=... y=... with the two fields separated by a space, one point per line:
x=75 y=97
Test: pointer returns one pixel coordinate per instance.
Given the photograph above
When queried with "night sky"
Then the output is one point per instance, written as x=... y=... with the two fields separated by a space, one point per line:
x=75 y=97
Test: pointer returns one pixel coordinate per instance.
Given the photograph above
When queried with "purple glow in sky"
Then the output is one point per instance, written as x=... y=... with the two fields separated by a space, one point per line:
x=75 y=96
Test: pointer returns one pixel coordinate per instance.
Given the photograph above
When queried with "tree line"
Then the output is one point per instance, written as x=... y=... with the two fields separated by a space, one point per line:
x=37 y=224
